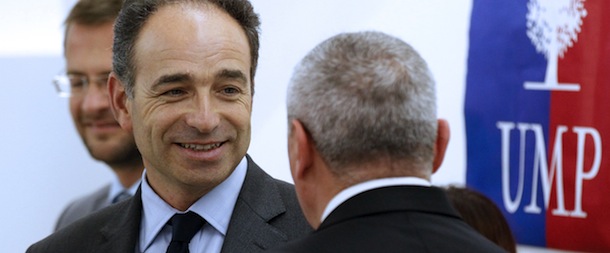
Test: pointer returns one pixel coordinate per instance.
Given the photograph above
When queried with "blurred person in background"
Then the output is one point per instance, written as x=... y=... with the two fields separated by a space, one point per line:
x=483 y=215
x=88 y=55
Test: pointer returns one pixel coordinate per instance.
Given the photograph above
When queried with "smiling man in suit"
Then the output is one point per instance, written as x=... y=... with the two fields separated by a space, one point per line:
x=363 y=143
x=182 y=82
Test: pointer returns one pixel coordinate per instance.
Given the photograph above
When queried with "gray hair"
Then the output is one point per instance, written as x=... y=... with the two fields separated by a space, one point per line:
x=364 y=97
x=135 y=13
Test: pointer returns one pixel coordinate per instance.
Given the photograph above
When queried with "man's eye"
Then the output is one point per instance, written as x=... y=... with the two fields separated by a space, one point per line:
x=230 y=90
x=103 y=81
x=174 y=93
x=77 y=82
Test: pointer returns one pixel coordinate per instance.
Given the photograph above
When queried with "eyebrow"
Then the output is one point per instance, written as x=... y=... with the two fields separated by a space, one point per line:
x=105 y=73
x=232 y=74
x=171 y=78
x=186 y=77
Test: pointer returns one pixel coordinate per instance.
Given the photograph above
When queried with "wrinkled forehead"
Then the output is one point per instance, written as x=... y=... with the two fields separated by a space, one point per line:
x=195 y=40
x=188 y=25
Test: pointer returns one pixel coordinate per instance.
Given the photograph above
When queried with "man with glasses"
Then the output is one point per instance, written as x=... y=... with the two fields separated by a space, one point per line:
x=88 y=52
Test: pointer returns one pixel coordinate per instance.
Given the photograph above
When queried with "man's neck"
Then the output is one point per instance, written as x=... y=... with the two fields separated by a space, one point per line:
x=128 y=174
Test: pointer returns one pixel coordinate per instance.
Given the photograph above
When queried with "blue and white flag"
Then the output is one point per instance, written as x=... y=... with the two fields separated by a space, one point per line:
x=537 y=120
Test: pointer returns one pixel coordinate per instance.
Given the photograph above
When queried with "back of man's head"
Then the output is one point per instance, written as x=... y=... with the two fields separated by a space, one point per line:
x=367 y=99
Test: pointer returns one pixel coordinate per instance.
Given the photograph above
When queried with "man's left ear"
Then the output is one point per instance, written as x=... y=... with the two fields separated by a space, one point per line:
x=442 y=140
x=119 y=103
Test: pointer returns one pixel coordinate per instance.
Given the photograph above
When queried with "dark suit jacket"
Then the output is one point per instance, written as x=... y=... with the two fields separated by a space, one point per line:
x=394 y=219
x=266 y=214
x=83 y=206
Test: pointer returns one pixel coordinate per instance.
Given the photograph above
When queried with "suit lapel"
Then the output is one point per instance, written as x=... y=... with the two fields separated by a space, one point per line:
x=121 y=232
x=258 y=202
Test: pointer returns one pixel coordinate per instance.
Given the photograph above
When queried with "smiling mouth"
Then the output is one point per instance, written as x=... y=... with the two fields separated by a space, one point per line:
x=199 y=147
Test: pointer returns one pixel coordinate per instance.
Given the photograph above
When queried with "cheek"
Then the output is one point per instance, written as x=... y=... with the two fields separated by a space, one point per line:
x=138 y=123
x=242 y=117
x=238 y=117
x=154 y=122
x=244 y=105
x=75 y=104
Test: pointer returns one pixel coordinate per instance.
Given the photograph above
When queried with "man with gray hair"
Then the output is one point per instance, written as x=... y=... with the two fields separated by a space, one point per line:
x=363 y=143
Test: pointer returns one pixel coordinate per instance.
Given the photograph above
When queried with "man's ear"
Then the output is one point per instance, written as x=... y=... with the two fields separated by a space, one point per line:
x=442 y=140
x=299 y=150
x=119 y=103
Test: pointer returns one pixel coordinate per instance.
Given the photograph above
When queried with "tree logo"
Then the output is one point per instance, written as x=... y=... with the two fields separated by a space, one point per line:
x=552 y=26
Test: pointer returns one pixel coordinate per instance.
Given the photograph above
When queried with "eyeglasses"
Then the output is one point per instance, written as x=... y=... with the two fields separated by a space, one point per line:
x=68 y=85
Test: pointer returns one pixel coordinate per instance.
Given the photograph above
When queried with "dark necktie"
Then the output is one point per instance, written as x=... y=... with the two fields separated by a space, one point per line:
x=122 y=196
x=184 y=227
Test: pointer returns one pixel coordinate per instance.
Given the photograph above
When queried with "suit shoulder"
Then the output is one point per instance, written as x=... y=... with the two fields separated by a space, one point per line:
x=83 y=206
x=286 y=189
x=263 y=187
x=275 y=200
x=76 y=237
x=91 y=198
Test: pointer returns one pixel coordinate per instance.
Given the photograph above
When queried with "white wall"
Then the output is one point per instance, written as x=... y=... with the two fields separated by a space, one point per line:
x=291 y=28
x=44 y=164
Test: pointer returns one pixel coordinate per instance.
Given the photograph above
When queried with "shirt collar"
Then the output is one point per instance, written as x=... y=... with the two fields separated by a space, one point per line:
x=116 y=188
x=215 y=207
x=354 y=190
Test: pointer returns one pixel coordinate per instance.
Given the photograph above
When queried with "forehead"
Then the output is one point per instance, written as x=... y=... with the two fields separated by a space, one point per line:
x=89 y=46
x=190 y=32
x=99 y=35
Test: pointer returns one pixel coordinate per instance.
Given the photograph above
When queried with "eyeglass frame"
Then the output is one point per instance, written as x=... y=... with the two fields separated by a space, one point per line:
x=64 y=86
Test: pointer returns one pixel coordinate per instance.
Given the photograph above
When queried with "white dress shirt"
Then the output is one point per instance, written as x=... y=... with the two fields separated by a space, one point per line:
x=215 y=207
x=369 y=185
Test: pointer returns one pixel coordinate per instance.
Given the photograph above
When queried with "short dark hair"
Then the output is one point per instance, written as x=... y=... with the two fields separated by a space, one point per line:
x=483 y=215
x=135 y=13
x=92 y=13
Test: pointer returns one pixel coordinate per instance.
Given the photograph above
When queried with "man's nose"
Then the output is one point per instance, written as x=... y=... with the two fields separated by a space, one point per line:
x=204 y=115
x=96 y=98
